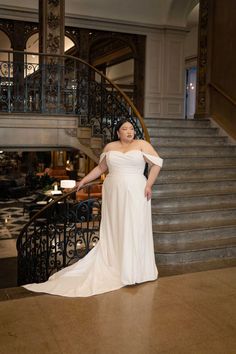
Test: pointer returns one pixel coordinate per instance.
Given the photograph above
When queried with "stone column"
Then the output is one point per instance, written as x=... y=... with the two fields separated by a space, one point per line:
x=18 y=67
x=51 y=41
x=51 y=26
x=83 y=78
x=204 y=59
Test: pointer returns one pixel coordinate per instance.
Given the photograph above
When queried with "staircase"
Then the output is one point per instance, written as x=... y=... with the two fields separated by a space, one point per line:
x=194 y=198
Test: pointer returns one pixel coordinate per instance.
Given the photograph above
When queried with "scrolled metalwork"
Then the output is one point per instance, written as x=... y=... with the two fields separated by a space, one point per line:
x=65 y=85
x=57 y=236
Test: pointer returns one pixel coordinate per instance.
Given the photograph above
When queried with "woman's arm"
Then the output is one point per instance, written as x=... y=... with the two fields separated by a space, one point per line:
x=152 y=176
x=154 y=169
x=94 y=174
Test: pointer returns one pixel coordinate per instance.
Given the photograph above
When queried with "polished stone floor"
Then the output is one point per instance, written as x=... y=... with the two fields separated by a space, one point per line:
x=191 y=313
x=184 y=314
x=12 y=217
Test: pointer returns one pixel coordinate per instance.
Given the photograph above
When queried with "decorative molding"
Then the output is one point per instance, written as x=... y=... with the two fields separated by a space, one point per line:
x=174 y=108
x=29 y=29
x=202 y=57
x=154 y=55
x=26 y=14
x=74 y=34
x=174 y=67
x=71 y=132
x=53 y=43
x=164 y=82
x=154 y=108
x=164 y=108
x=53 y=21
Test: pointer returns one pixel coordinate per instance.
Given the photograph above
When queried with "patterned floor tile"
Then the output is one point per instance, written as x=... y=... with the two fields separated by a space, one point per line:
x=12 y=218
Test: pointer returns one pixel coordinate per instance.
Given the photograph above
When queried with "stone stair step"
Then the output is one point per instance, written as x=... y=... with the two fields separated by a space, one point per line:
x=198 y=162
x=182 y=132
x=176 y=123
x=196 y=151
x=194 y=198
x=168 y=176
x=193 y=235
x=193 y=203
x=191 y=267
x=194 y=188
x=197 y=245
x=192 y=220
x=227 y=251
x=188 y=141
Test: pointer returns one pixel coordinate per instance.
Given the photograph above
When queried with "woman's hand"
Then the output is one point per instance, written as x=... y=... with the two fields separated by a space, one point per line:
x=148 y=192
x=79 y=184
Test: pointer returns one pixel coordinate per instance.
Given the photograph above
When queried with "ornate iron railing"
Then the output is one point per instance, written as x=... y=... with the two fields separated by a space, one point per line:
x=61 y=233
x=64 y=85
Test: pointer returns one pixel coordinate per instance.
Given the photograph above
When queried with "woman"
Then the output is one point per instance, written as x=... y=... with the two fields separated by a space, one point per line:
x=124 y=254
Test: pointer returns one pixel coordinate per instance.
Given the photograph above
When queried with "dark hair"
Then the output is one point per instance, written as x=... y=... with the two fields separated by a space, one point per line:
x=118 y=125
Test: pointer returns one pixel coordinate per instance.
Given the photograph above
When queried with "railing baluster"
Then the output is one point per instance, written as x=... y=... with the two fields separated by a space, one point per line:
x=49 y=241
x=67 y=86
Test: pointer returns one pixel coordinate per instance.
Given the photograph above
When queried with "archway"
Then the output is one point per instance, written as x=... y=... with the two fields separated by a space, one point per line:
x=5 y=45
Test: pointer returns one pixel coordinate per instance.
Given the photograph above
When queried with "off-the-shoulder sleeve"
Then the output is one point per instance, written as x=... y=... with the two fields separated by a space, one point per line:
x=156 y=160
x=102 y=156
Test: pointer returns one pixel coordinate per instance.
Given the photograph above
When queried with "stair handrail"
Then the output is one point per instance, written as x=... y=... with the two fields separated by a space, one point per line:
x=64 y=196
x=223 y=93
x=123 y=94
x=54 y=240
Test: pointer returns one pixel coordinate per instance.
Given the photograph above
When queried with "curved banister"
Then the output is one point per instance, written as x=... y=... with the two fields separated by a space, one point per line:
x=49 y=205
x=223 y=93
x=126 y=98
x=59 y=234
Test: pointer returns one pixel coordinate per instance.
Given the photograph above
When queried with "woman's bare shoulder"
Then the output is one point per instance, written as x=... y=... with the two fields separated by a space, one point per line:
x=144 y=144
x=146 y=147
x=110 y=146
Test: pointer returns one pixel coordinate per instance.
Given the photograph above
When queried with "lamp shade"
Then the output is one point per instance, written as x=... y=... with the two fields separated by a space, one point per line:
x=67 y=183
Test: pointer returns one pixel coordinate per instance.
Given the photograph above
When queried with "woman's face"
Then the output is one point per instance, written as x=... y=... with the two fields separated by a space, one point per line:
x=126 y=132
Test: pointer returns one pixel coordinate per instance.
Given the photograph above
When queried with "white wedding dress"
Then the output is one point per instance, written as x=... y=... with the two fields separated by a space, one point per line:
x=124 y=254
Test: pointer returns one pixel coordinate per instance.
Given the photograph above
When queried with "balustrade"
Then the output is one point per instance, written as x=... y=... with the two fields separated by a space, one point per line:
x=59 y=234
x=64 y=85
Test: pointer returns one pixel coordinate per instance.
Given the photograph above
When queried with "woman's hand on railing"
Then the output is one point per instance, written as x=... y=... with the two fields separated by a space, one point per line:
x=79 y=185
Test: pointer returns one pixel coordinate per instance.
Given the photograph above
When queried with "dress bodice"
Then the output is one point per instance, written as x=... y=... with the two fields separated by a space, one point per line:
x=130 y=162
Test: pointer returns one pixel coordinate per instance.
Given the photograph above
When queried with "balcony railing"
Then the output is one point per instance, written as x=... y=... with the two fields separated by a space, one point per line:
x=64 y=85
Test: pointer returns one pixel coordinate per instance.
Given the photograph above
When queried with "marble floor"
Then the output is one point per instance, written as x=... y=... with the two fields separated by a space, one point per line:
x=191 y=313
x=12 y=219
x=184 y=314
